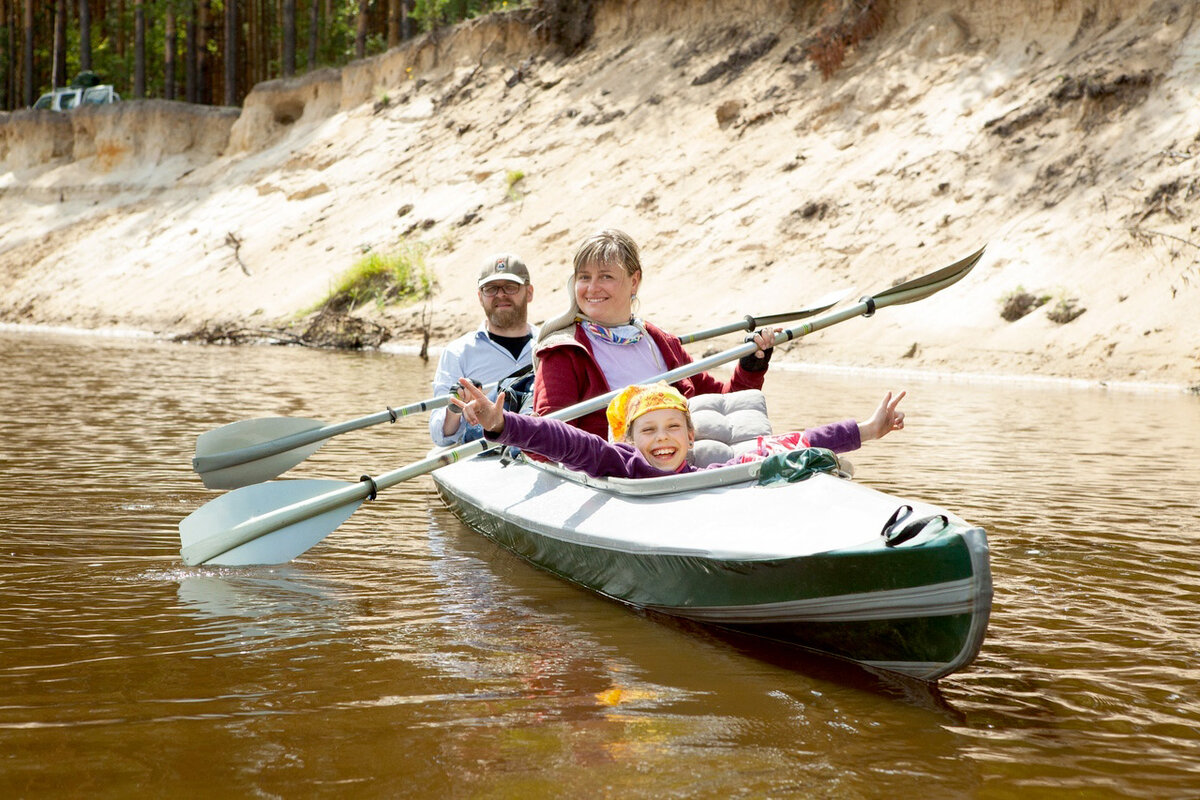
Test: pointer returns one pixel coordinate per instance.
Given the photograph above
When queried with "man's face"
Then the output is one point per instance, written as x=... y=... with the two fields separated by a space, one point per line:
x=505 y=303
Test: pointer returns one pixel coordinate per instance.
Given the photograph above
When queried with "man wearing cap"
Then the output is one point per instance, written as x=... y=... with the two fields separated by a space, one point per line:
x=499 y=347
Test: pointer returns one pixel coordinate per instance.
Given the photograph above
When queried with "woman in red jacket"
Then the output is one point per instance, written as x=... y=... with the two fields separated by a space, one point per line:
x=599 y=345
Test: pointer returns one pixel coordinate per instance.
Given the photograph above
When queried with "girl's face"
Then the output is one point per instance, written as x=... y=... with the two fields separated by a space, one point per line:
x=663 y=437
x=605 y=292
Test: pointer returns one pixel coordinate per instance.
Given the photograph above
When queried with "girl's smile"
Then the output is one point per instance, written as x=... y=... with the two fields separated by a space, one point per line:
x=663 y=437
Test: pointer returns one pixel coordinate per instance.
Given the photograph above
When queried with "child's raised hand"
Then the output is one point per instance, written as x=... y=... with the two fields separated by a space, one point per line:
x=477 y=408
x=887 y=418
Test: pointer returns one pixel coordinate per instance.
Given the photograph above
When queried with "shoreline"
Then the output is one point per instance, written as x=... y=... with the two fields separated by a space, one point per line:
x=407 y=349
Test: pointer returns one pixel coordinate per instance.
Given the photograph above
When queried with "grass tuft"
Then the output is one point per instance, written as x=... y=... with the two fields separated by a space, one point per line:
x=381 y=278
x=514 y=177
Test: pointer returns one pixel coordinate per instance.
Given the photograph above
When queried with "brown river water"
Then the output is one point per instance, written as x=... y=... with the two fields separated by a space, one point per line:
x=406 y=656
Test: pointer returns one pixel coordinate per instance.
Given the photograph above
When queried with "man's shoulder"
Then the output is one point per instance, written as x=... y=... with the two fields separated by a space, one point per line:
x=469 y=339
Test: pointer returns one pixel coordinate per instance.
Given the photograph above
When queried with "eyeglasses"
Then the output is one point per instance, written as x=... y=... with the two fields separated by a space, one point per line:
x=501 y=287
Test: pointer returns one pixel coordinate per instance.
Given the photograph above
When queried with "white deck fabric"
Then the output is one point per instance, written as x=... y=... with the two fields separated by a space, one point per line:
x=737 y=521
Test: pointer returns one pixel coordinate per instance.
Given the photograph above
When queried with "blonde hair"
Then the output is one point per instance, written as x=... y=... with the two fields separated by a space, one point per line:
x=611 y=247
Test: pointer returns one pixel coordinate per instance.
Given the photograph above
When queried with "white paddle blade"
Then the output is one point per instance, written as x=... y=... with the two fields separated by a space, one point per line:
x=212 y=519
x=249 y=432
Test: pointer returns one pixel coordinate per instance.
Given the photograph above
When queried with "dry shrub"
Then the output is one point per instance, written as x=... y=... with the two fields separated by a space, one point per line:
x=1019 y=303
x=1064 y=311
x=853 y=21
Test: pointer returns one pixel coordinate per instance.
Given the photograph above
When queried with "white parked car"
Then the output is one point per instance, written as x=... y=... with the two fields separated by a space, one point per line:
x=67 y=98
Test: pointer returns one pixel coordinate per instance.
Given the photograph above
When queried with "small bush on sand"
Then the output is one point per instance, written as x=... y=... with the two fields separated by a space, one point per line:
x=381 y=278
x=1019 y=302
x=1065 y=310
x=514 y=177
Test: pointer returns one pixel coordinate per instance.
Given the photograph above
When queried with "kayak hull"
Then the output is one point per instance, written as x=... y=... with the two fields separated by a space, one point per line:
x=774 y=562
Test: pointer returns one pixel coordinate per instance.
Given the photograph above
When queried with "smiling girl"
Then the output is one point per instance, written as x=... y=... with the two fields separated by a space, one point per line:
x=652 y=432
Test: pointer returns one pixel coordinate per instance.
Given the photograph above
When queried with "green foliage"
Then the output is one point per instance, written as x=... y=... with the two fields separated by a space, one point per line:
x=431 y=14
x=113 y=48
x=514 y=177
x=382 y=278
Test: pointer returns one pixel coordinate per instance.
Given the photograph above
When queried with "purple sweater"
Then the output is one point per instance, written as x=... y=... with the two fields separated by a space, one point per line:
x=580 y=450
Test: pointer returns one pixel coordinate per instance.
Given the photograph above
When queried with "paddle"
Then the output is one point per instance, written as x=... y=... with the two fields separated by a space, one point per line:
x=271 y=523
x=749 y=323
x=256 y=450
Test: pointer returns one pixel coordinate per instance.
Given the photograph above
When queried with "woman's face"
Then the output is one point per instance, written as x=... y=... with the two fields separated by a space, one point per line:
x=605 y=292
x=663 y=437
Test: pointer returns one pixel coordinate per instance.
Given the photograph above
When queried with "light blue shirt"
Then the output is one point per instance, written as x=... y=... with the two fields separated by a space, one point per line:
x=477 y=357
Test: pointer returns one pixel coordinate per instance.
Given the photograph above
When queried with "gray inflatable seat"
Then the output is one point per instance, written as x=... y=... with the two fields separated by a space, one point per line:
x=727 y=425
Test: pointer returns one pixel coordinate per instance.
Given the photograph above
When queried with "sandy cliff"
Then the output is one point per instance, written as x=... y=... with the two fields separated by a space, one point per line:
x=1064 y=134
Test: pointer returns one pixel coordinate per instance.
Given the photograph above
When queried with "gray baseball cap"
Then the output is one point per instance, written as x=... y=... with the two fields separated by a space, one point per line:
x=504 y=267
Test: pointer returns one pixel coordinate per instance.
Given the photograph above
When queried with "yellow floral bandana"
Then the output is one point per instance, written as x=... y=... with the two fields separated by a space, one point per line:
x=634 y=401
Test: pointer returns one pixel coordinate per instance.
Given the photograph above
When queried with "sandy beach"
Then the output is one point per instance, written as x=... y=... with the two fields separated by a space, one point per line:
x=1064 y=136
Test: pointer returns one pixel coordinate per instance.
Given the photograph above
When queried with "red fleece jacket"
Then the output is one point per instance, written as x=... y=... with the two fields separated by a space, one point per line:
x=567 y=373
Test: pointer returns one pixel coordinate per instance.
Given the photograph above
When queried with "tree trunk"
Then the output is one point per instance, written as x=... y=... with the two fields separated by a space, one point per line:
x=360 y=36
x=203 y=71
x=393 y=23
x=253 y=42
x=264 y=48
x=169 y=47
x=189 y=70
x=28 y=35
x=5 y=59
x=139 y=48
x=231 y=39
x=314 y=22
x=119 y=28
x=289 y=38
x=58 y=71
x=85 y=36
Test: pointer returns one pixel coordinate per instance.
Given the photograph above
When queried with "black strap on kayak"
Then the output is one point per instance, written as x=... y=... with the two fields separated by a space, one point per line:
x=894 y=535
x=374 y=488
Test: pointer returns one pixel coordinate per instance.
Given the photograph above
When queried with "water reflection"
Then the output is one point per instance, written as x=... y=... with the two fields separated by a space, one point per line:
x=260 y=610
x=405 y=654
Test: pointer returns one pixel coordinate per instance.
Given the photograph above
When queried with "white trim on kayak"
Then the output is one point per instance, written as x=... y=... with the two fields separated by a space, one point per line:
x=935 y=600
x=667 y=484
x=711 y=478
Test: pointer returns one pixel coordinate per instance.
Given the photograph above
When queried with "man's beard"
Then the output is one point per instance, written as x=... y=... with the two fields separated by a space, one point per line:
x=506 y=317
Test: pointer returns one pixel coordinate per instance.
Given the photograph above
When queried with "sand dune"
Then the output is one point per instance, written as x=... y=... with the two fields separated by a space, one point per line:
x=1064 y=135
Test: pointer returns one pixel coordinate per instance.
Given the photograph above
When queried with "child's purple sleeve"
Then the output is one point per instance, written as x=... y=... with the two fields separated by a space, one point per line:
x=573 y=448
x=840 y=437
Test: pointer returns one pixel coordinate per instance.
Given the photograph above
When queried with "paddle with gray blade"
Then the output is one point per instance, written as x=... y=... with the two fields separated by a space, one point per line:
x=256 y=450
x=271 y=523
